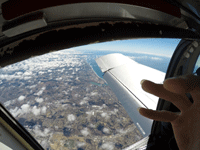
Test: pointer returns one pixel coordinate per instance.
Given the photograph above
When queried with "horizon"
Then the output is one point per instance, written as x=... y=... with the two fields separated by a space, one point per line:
x=151 y=46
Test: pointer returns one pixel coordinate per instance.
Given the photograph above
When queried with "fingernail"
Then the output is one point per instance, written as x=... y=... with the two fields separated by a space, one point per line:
x=138 y=108
x=142 y=81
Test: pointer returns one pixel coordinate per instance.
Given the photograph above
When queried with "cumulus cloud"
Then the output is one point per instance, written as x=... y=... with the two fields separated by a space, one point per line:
x=108 y=146
x=15 y=112
x=76 y=95
x=25 y=108
x=92 y=125
x=84 y=101
x=43 y=109
x=27 y=73
x=121 y=131
x=38 y=132
x=93 y=93
x=85 y=132
x=71 y=117
x=21 y=98
x=60 y=78
x=86 y=98
x=106 y=130
x=35 y=110
x=77 y=69
x=41 y=91
x=32 y=86
x=80 y=144
x=26 y=78
x=115 y=110
x=105 y=115
x=6 y=104
x=41 y=72
x=19 y=73
x=89 y=113
x=39 y=100
x=44 y=144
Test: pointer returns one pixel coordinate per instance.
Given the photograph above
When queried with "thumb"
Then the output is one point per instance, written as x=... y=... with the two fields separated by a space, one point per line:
x=164 y=116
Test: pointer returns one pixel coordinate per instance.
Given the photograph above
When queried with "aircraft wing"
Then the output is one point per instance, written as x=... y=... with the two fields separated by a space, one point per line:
x=123 y=75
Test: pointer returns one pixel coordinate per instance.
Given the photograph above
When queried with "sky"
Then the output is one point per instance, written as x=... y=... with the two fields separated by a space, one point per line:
x=160 y=47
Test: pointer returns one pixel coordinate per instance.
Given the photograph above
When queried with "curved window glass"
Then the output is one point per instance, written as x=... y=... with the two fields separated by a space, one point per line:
x=62 y=99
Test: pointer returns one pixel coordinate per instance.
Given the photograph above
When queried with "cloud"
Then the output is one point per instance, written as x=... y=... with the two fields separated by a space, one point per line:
x=6 y=104
x=108 y=146
x=93 y=93
x=76 y=95
x=41 y=72
x=77 y=69
x=35 y=110
x=84 y=101
x=92 y=125
x=158 y=54
x=43 y=109
x=41 y=91
x=145 y=57
x=105 y=115
x=44 y=144
x=86 y=98
x=32 y=86
x=15 y=112
x=27 y=73
x=39 y=100
x=85 y=132
x=41 y=65
x=38 y=132
x=25 y=108
x=80 y=144
x=156 y=58
x=89 y=113
x=121 y=131
x=71 y=117
x=26 y=78
x=19 y=73
x=60 y=78
x=21 y=98
x=106 y=130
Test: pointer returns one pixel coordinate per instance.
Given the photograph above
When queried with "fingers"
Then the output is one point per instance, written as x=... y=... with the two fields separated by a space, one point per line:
x=180 y=101
x=195 y=95
x=164 y=116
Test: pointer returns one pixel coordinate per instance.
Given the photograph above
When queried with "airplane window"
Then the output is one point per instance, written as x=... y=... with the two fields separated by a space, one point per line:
x=197 y=65
x=62 y=99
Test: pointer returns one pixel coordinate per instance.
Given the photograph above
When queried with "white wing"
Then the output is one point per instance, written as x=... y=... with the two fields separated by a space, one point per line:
x=123 y=75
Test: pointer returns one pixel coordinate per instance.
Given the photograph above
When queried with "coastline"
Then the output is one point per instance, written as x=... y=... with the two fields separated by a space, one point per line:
x=96 y=73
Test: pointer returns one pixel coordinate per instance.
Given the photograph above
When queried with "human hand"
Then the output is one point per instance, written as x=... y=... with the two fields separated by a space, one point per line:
x=186 y=125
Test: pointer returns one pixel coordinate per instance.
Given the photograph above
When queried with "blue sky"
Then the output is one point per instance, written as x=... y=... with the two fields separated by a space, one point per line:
x=159 y=47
